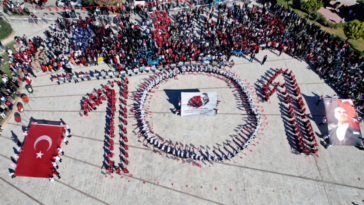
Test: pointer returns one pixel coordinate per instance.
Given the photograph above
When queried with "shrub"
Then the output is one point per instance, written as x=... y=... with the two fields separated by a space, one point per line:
x=321 y=19
x=354 y=29
x=298 y=4
x=312 y=6
x=5 y=29
x=336 y=25
x=89 y=2
x=314 y=16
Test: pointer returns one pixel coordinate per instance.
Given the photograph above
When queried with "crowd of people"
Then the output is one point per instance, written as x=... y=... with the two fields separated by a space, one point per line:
x=200 y=33
x=184 y=152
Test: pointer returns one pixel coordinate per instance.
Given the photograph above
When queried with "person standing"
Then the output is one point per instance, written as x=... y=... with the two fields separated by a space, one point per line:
x=324 y=120
x=2 y=46
x=60 y=150
x=264 y=59
x=16 y=140
x=252 y=56
x=56 y=157
x=51 y=179
x=55 y=165
x=54 y=171
x=320 y=98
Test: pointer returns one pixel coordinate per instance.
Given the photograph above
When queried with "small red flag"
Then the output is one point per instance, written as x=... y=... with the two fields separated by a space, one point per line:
x=83 y=8
x=70 y=8
x=121 y=8
x=115 y=9
x=55 y=8
x=49 y=9
x=63 y=8
x=110 y=9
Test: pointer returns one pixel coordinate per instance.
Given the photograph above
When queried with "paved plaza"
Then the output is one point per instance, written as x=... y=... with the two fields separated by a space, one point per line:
x=269 y=172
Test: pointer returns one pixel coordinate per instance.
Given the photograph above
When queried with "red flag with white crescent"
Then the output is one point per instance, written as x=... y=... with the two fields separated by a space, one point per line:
x=36 y=156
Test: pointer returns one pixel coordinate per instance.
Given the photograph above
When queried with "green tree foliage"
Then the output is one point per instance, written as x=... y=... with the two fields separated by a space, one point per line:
x=297 y=4
x=312 y=6
x=5 y=29
x=354 y=29
x=89 y=2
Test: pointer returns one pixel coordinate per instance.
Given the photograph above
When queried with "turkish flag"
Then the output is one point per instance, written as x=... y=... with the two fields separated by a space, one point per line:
x=36 y=156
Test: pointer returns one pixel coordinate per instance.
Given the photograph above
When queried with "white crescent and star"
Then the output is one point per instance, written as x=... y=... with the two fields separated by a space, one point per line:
x=44 y=137
x=39 y=155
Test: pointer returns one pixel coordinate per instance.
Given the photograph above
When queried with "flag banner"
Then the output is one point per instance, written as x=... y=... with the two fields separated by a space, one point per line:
x=36 y=156
x=198 y=103
x=342 y=122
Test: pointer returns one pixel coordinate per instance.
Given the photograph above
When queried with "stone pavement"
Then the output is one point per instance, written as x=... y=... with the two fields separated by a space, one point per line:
x=268 y=172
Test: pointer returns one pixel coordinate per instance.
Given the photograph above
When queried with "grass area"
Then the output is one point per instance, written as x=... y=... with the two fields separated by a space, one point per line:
x=5 y=29
x=23 y=14
x=6 y=58
x=8 y=72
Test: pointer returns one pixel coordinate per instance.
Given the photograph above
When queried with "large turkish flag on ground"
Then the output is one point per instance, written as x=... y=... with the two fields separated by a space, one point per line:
x=36 y=156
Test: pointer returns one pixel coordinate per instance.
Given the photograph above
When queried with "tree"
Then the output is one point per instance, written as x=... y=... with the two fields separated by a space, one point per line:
x=312 y=6
x=296 y=4
x=354 y=29
x=89 y=2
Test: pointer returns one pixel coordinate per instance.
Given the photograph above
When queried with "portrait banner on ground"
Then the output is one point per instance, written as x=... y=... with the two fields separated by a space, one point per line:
x=342 y=122
x=198 y=103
